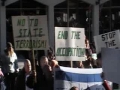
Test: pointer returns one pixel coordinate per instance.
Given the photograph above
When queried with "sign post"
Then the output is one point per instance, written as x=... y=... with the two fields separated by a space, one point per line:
x=71 y=63
x=32 y=50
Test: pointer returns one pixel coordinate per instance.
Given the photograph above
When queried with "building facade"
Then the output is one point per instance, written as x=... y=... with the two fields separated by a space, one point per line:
x=96 y=16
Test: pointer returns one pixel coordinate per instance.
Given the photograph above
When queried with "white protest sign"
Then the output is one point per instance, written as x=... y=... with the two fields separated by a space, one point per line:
x=111 y=64
x=69 y=44
x=84 y=79
x=26 y=26
x=109 y=40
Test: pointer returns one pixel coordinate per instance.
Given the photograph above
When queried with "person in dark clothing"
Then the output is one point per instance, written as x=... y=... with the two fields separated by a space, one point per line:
x=105 y=84
x=99 y=62
x=99 y=65
x=90 y=62
x=44 y=75
x=26 y=78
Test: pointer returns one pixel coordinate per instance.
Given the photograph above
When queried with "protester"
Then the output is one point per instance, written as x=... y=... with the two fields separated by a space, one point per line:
x=54 y=63
x=99 y=64
x=79 y=64
x=2 y=85
x=90 y=62
x=74 y=88
x=44 y=75
x=26 y=78
x=87 y=44
x=105 y=83
x=9 y=66
x=50 y=55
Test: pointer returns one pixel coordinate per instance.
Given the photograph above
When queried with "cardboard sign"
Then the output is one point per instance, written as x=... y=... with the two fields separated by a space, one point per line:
x=108 y=40
x=111 y=64
x=27 y=28
x=69 y=44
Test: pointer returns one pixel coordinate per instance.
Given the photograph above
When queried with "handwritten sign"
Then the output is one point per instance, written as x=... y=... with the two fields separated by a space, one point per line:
x=110 y=64
x=25 y=27
x=108 y=40
x=70 y=44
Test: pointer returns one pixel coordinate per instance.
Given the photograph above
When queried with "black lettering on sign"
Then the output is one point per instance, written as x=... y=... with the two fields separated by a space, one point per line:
x=27 y=44
x=33 y=22
x=110 y=43
x=108 y=36
x=103 y=38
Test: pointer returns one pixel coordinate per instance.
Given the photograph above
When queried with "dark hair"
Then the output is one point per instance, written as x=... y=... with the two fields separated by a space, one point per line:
x=99 y=55
x=50 y=53
x=73 y=88
x=88 y=52
x=9 y=44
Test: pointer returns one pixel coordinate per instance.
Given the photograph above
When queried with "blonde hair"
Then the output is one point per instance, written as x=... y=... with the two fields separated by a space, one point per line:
x=10 y=52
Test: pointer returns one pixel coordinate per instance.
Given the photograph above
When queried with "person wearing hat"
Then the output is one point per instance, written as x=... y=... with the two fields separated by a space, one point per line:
x=9 y=66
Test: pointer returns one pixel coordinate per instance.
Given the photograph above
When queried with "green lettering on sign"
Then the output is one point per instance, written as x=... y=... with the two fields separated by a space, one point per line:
x=21 y=22
x=27 y=44
x=75 y=35
x=62 y=34
x=79 y=52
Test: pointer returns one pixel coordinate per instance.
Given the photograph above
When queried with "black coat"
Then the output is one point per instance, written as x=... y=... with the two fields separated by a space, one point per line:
x=42 y=82
x=21 y=83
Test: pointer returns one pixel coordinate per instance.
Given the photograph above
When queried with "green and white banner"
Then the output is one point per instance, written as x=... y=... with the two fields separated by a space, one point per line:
x=25 y=27
x=69 y=44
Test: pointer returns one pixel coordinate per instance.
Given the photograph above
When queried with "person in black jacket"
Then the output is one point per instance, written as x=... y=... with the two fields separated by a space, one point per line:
x=44 y=75
x=26 y=78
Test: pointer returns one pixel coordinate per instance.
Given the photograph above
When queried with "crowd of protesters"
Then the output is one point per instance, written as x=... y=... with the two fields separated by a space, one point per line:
x=24 y=79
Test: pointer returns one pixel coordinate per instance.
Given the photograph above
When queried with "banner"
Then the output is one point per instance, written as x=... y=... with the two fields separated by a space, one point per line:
x=84 y=79
x=25 y=27
x=69 y=44
x=109 y=40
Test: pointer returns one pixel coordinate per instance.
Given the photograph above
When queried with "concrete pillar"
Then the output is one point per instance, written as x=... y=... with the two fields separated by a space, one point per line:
x=95 y=28
x=51 y=26
x=3 y=24
x=95 y=18
x=2 y=28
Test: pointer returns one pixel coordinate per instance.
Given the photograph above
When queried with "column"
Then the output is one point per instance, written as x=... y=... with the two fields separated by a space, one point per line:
x=2 y=28
x=95 y=20
x=51 y=26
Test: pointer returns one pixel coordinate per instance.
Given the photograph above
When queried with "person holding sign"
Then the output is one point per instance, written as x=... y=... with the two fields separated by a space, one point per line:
x=105 y=83
x=9 y=66
x=26 y=77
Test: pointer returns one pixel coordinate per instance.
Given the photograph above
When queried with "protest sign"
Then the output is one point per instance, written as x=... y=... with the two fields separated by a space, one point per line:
x=111 y=64
x=69 y=44
x=25 y=27
x=108 y=40
x=84 y=79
